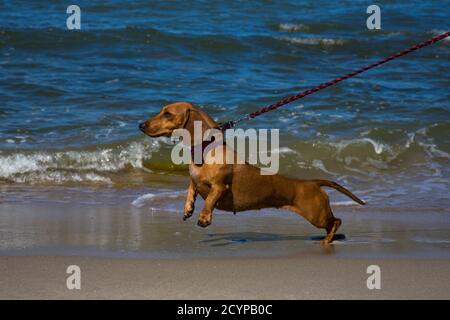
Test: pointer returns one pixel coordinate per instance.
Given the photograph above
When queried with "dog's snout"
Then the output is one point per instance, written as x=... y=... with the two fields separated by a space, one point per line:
x=142 y=125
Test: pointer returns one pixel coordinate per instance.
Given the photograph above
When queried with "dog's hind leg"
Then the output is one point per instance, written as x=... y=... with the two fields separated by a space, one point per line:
x=332 y=227
x=320 y=218
x=313 y=204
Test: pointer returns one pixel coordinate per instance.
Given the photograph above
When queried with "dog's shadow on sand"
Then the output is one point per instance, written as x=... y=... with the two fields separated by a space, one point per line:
x=225 y=239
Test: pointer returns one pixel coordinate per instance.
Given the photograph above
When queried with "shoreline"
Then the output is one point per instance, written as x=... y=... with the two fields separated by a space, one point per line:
x=148 y=251
x=143 y=224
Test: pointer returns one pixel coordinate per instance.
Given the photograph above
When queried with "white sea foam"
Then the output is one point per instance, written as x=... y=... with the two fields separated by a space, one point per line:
x=431 y=241
x=318 y=164
x=378 y=147
x=436 y=32
x=426 y=143
x=151 y=198
x=61 y=177
x=285 y=150
x=281 y=150
x=84 y=165
x=314 y=41
x=293 y=27
x=140 y=201
x=344 y=203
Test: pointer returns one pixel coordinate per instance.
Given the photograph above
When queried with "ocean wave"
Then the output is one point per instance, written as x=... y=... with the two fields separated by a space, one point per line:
x=74 y=165
x=60 y=177
x=314 y=41
x=293 y=27
x=214 y=43
x=373 y=151
x=378 y=147
x=54 y=38
x=313 y=27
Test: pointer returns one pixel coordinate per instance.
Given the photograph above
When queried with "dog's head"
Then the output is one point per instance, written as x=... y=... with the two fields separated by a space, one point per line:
x=171 y=117
x=174 y=116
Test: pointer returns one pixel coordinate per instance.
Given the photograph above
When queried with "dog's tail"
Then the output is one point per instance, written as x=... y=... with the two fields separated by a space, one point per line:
x=338 y=187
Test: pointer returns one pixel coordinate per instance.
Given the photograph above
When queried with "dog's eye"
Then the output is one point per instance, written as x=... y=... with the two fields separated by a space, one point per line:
x=167 y=115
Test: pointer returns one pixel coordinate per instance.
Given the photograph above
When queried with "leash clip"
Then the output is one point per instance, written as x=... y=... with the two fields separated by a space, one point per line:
x=227 y=125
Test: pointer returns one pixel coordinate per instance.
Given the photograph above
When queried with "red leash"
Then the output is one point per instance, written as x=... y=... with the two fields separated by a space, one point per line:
x=232 y=123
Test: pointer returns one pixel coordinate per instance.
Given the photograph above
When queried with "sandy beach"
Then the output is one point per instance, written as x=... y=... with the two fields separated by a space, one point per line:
x=302 y=277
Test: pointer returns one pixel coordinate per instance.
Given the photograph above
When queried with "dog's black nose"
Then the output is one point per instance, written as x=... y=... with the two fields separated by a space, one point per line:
x=142 y=125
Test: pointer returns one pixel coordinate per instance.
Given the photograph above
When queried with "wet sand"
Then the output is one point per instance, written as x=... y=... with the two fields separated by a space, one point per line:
x=145 y=251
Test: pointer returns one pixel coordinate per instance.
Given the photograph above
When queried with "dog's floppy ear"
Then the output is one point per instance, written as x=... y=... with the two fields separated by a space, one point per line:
x=192 y=114
x=187 y=115
x=200 y=115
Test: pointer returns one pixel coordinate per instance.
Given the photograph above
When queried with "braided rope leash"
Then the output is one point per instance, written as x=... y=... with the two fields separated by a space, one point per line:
x=232 y=123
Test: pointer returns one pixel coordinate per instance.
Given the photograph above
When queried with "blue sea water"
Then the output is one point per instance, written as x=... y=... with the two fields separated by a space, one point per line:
x=70 y=101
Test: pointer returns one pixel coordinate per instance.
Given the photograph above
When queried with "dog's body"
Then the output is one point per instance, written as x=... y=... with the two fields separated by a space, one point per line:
x=240 y=187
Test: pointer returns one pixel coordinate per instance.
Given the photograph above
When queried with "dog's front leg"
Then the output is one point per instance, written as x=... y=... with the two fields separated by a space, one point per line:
x=214 y=195
x=190 y=201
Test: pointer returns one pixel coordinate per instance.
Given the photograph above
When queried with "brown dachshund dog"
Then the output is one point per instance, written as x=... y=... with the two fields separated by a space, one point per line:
x=239 y=187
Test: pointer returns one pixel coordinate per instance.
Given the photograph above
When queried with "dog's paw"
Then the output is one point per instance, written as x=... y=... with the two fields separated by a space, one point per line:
x=204 y=221
x=187 y=215
x=203 y=224
x=188 y=211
